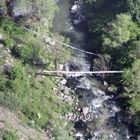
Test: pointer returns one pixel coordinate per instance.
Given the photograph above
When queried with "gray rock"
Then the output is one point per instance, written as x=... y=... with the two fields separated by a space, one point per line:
x=1 y=37
x=66 y=91
x=110 y=89
x=74 y=8
x=105 y=83
x=76 y=21
x=61 y=66
x=1 y=45
x=63 y=82
x=85 y=110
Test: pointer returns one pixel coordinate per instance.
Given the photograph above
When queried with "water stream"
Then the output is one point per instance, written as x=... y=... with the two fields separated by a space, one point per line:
x=100 y=120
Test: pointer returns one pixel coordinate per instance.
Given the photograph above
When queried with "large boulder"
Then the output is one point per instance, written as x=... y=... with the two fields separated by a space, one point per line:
x=85 y=110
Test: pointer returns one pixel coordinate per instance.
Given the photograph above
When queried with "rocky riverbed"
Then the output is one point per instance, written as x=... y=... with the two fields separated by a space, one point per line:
x=96 y=115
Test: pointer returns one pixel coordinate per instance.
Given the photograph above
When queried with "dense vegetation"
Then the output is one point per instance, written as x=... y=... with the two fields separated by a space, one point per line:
x=7 y=135
x=114 y=28
x=22 y=55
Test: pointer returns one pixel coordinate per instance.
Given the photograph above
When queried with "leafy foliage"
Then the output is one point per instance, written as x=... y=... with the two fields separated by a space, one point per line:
x=7 y=135
x=100 y=12
x=135 y=50
x=119 y=31
x=132 y=77
x=134 y=9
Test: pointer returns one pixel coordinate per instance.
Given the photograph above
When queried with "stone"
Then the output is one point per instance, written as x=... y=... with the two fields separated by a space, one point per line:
x=1 y=45
x=61 y=66
x=1 y=37
x=110 y=89
x=105 y=83
x=68 y=98
x=111 y=135
x=47 y=40
x=32 y=121
x=79 y=134
x=74 y=8
x=66 y=91
x=54 y=89
x=76 y=21
x=85 y=110
x=53 y=43
x=2 y=125
x=70 y=116
x=50 y=41
x=7 y=66
x=87 y=118
x=115 y=109
x=63 y=82
x=42 y=60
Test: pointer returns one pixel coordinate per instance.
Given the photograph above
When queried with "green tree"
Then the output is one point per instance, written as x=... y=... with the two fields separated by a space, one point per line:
x=9 y=136
x=100 y=12
x=135 y=50
x=134 y=9
x=132 y=81
x=120 y=30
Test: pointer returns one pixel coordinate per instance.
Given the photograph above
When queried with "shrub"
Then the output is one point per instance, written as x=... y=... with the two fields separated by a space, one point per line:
x=2 y=83
x=9 y=136
x=10 y=31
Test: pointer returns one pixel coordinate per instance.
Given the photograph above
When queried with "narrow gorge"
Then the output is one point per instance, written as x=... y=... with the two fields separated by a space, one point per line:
x=99 y=117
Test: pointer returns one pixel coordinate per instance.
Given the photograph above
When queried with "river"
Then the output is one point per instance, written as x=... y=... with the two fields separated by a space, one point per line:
x=99 y=118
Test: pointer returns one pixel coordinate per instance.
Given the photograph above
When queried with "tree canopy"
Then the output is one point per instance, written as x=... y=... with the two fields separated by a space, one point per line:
x=120 y=30
x=134 y=9
x=132 y=80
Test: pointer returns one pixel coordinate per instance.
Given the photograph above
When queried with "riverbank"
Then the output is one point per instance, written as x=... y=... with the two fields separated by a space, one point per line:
x=40 y=102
